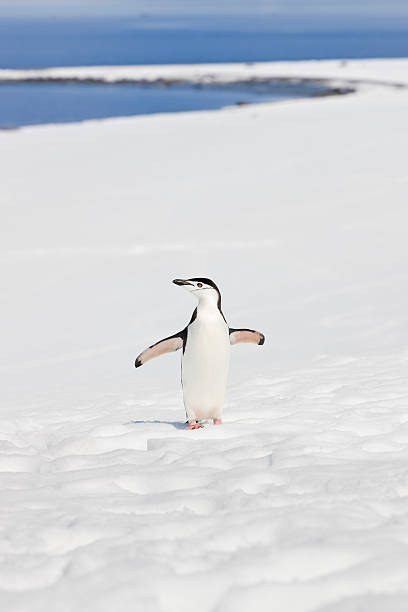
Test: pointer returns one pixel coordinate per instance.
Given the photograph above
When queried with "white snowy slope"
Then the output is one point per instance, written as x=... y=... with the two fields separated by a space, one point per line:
x=299 y=502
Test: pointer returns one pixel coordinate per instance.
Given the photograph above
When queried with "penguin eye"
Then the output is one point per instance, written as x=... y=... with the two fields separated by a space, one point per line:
x=199 y=285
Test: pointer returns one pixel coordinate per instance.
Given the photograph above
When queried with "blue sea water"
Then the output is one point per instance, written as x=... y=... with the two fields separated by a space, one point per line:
x=36 y=43
x=30 y=103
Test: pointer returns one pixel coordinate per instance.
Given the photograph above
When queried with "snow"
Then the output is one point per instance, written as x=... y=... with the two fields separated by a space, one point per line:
x=391 y=71
x=299 y=502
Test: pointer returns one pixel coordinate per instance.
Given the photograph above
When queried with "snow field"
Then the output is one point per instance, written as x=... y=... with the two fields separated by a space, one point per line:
x=300 y=499
x=298 y=503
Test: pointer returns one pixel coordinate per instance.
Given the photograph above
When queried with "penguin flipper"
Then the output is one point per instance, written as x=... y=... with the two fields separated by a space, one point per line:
x=245 y=335
x=167 y=345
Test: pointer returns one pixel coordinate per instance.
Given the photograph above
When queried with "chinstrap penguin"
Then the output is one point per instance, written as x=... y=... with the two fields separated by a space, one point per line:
x=206 y=344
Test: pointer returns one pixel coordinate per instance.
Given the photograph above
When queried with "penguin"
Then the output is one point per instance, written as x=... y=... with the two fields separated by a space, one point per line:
x=206 y=342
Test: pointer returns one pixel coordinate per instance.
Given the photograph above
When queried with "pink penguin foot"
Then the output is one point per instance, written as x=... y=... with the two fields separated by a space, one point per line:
x=194 y=425
x=217 y=421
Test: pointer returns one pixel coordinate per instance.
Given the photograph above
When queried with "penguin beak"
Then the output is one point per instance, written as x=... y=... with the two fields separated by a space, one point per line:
x=181 y=282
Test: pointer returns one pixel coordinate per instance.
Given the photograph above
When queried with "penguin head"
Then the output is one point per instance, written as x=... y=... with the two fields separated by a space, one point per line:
x=202 y=288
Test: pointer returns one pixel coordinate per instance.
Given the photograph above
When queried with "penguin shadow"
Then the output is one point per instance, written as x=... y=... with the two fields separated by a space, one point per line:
x=175 y=424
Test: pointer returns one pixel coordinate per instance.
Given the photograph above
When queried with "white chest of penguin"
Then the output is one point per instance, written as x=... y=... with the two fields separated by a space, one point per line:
x=205 y=364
